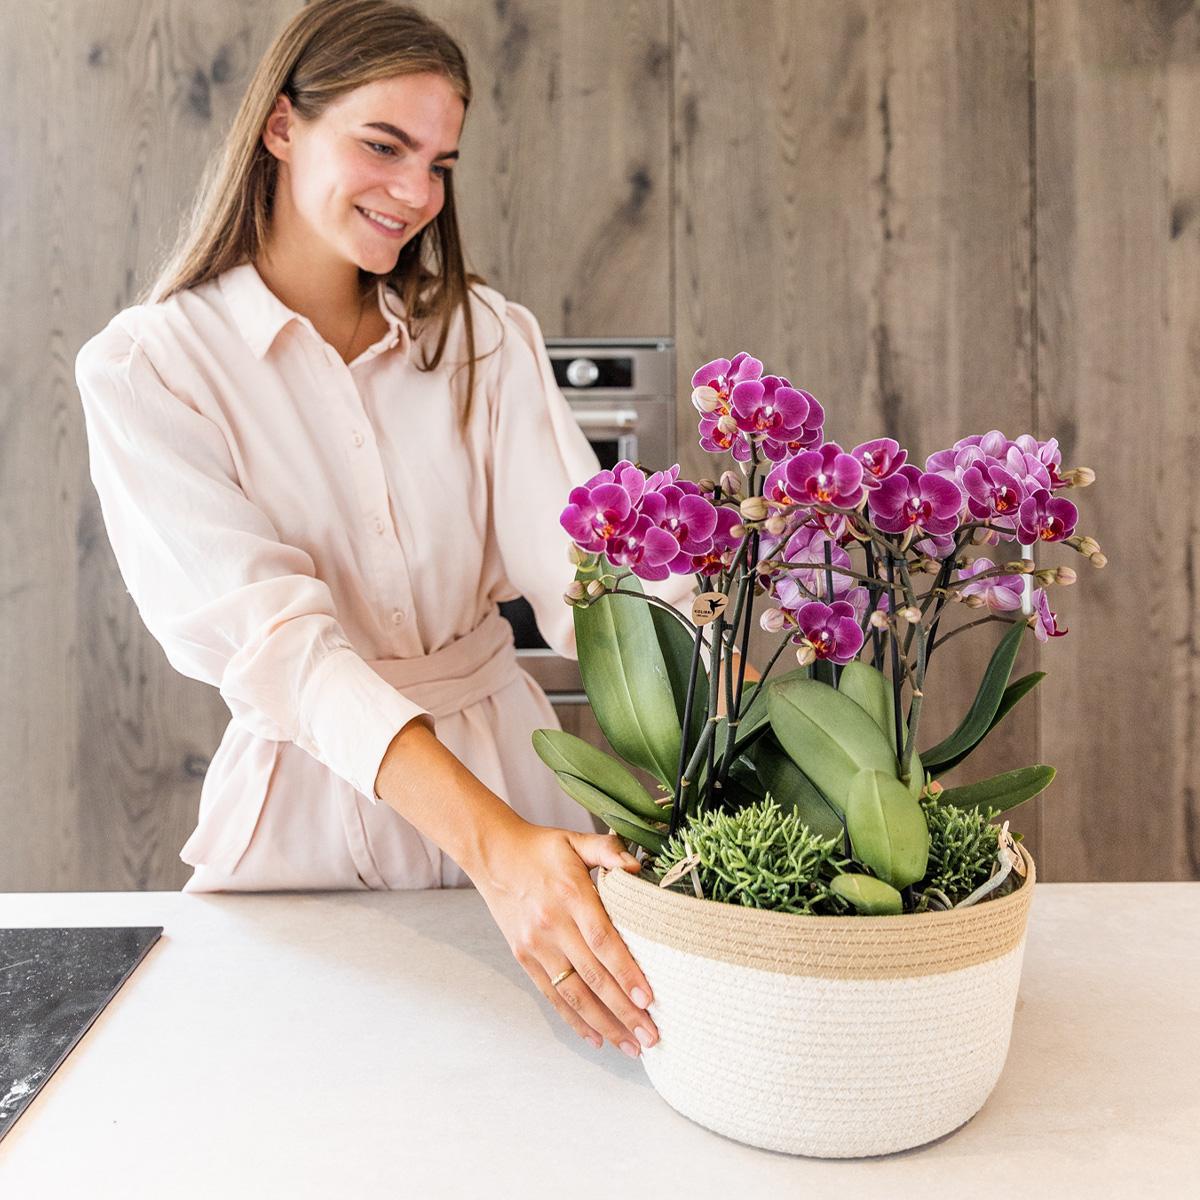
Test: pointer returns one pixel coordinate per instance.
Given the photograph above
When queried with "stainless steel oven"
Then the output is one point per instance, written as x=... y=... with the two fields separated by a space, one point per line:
x=621 y=391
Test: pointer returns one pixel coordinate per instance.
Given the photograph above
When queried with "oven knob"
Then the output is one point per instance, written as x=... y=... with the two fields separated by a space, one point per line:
x=582 y=372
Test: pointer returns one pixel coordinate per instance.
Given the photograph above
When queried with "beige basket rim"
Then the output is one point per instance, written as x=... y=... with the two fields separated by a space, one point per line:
x=842 y=947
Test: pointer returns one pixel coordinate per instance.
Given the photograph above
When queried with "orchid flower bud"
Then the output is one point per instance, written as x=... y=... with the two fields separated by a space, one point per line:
x=1079 y=476
x=706 y=399
x=772 y=620
x=726 y=424
x=730 y=483
x=806 y=655
x=912 y=614
x=1046 y=576
x=753 y=508
x=974 y=601
x=737 y=531
x=1098 y=559
x=576 y=555
x=1065 y=576
x=707 y=486
x=595 y=588
x=878 y=620
x=775 y=525
x=574 y=592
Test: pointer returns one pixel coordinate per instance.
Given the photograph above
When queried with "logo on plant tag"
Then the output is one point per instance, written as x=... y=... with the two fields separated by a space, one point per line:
x=708 y=606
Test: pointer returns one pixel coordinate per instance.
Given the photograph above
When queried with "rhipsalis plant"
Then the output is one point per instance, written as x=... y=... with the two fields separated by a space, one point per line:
x=856 y=555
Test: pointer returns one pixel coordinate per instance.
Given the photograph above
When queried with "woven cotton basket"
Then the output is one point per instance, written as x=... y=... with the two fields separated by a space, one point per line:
x=827 y=1036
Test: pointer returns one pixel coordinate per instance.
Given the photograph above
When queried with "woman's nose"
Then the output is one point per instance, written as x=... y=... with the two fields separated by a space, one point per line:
x=412 y=188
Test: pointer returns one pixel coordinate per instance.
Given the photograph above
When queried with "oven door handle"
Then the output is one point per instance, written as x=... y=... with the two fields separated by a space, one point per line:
x=607 y=418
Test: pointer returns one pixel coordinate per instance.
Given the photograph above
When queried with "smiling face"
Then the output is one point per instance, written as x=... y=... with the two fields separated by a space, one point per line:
x=384 y=148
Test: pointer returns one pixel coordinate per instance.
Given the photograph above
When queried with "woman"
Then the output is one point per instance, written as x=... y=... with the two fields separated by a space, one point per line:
x=321 y=464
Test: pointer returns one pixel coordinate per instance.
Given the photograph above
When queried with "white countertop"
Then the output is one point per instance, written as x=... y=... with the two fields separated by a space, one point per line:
x=386 y=1043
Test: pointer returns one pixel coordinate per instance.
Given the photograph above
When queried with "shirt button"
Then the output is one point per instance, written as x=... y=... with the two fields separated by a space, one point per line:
x=378 y=525
x=397 y=616
x=358 y=438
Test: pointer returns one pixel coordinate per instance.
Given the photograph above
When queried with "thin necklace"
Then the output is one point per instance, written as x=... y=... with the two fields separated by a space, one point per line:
x=362 y=305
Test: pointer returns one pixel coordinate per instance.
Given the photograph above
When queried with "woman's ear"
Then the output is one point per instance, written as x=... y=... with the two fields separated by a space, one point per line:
x=277 y=131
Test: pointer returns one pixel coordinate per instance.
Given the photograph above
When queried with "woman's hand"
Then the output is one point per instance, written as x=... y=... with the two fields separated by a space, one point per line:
x=537 y=885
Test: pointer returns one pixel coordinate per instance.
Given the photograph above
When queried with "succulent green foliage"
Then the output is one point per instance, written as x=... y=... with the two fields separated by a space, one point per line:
x=870 y=896
x=984 y=707
x=759 y=857
x=827 y=735
x=792 y=790
x=607 y=809
x=887 y=828
x=962 y=848
x=626 y=677
x=1000 y=791
x=872 y=691
x=1015 y=692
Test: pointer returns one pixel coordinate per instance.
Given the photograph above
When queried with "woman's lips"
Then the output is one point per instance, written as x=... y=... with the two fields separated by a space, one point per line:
x=393 y=233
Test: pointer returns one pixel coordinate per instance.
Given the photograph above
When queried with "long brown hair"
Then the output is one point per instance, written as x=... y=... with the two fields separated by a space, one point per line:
x=327 y=49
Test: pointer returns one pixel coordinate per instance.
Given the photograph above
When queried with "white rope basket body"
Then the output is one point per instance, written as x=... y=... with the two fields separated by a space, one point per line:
x=835 y=1037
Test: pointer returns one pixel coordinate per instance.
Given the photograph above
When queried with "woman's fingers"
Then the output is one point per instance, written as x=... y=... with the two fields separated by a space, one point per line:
x=536 y=972
x=603 y=963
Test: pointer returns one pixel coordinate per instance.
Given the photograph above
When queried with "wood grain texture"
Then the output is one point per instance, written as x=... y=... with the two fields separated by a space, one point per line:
x=109 y=110
x=564 y=178
x=1118 y=264
x=853 y=198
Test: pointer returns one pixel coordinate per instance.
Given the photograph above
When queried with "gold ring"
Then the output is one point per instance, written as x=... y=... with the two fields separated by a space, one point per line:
x=561 y=976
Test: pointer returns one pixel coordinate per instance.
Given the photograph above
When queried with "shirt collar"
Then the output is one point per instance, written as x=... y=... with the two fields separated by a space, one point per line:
x=259 y=314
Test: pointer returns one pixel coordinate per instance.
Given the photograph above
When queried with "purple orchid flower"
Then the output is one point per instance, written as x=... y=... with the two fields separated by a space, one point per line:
x=1047 y=453
x=880 y=458
x=1001 y=593
x=832 y=630
x=775 y=415
x=594 y=514
x=993 y=493
x=724 y=374
x=645 y=549
x=1045 y=518
x=914 y=498
x=1046 y=626
x=807 y=545
x=687 y=517
x=826 y=475
x=719 y=556
x=938 y=545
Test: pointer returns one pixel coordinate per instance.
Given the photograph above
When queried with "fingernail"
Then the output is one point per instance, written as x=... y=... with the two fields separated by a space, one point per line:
x=630 y=1049
x=639 y=997
x=643 y=1036
x=596 y=1040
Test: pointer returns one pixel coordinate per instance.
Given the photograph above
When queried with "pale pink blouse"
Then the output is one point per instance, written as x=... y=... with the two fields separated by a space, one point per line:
x=319 y=541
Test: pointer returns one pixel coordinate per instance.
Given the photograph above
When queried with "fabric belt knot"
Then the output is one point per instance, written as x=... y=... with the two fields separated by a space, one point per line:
x=458 y=674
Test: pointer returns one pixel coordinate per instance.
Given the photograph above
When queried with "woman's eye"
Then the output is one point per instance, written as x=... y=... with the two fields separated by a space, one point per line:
x=390 y=152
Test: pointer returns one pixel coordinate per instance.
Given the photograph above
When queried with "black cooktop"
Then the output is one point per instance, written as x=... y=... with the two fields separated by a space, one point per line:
x=54 y=983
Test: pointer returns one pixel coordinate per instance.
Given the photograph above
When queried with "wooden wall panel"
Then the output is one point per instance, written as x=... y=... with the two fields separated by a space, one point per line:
x=109 y=109
x=564 y=179
x=1118 y=284
x=853 y=207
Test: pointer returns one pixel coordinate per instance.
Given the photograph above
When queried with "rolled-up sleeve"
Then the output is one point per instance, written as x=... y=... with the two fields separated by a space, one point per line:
x=229 y=602
x=539 y=454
